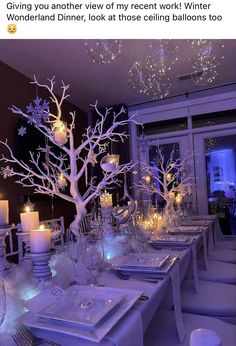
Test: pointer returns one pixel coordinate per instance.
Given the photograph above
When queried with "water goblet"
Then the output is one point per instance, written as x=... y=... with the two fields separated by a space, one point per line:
x=93 y=258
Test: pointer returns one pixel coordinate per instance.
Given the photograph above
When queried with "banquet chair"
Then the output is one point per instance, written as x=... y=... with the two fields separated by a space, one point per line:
x=162 y=329
x=57 y=227
x=12 y=248
x=224 y=241
x=217 y=271
x=214 y=299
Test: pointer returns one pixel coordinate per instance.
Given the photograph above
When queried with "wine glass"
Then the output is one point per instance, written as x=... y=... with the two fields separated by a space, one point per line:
x=93 y=258
x=75 y=252
x=2 y=301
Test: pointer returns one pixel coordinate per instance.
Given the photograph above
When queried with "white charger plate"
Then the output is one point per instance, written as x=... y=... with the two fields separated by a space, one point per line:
x=152 y=273
x=172 y=240
x=95 y=333
x=85 y=307
x=151 y=261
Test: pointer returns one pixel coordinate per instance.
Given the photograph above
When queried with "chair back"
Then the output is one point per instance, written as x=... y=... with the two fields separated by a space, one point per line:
x=57 y=227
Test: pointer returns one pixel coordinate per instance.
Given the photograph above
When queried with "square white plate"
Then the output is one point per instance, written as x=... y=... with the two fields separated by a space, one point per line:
x=185 y=230
x=154 y=273
x=95 y=333
x=171 y=240
x=85 y=307
x=151 y=261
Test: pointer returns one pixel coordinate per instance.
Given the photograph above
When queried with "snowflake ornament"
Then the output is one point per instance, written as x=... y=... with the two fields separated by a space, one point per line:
x=22 y=131
x=39 y=111
x=6 y=172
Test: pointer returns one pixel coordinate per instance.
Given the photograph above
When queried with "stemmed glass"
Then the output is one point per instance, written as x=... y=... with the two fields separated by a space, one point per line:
x=75 y=252
x=93 y=258
x=2 y=302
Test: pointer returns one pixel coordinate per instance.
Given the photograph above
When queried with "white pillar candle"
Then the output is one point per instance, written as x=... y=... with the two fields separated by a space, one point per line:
x=29 y=221
x=40 y=240
x=4 y=212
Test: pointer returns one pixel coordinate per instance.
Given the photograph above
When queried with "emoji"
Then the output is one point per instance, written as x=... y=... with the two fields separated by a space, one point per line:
x=11 y=28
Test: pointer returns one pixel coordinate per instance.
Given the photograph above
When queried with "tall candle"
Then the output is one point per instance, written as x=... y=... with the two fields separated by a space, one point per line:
x=29 y=221
x=4 y=212
x=40 y=240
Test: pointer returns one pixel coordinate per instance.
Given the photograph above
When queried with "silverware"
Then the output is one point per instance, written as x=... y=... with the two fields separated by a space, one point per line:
x=139 y=278
x=23 y=337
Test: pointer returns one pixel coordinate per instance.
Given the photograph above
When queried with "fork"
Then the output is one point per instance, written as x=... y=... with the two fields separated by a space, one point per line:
x=23 y=337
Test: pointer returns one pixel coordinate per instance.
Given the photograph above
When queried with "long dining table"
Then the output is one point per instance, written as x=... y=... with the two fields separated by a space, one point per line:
x=130 y=329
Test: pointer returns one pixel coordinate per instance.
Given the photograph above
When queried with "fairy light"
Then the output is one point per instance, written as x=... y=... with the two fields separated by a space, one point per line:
x=103 y=51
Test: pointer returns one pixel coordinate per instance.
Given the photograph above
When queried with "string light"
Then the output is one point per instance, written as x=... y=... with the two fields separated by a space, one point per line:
x=207 y=56
x=103 y=51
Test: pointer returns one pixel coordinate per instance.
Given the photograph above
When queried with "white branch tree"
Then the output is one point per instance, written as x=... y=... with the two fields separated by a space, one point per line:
x=167 y=178
x=68 y=160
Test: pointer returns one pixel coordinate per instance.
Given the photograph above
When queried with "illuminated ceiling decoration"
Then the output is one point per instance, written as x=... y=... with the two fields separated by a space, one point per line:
x=165 y=52
x=207 y=57
x=103 y=51
x=150 y=75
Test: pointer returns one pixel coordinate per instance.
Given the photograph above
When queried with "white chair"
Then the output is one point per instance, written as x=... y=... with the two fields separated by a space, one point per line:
x=217 y=272
x=12 y=248
x=204 y=337
x=162 y=329
x=57 y=227
x=213 y=299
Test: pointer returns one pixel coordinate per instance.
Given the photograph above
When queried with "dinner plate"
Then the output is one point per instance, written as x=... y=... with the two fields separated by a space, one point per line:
x=148 y=272
x=86 y=306
x=95 y=333
x=171 y=240
x=151 y=261
x=185 y=230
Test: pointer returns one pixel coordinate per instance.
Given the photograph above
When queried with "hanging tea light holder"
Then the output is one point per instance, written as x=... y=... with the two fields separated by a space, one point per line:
x=61 y=181
x=110 y=162
x=59 y=132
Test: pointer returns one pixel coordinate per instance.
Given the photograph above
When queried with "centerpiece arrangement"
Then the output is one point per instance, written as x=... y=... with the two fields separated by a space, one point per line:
x=170 y=179
x=58 y=167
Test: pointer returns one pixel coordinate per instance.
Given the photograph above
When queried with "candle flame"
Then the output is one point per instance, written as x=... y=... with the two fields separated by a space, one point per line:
x=41 y=227
x=27 y=209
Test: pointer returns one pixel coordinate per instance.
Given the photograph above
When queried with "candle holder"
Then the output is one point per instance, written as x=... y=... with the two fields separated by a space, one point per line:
x=110 y=162
x=41 y=270
x=4 y=265
x=59 y=132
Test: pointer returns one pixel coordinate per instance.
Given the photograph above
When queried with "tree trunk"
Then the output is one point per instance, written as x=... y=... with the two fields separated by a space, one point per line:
x=80 y=213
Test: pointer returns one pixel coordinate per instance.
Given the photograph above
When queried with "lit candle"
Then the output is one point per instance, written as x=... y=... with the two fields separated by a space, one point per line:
x=171 y=196
x=40 y=240
x=168 y=177
x=106 y=200
x=60 y=132
x=4 y=212
x=160 y=223
x=61 y=181
x=178 y=199
x=147 y=179
x=29 y=220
